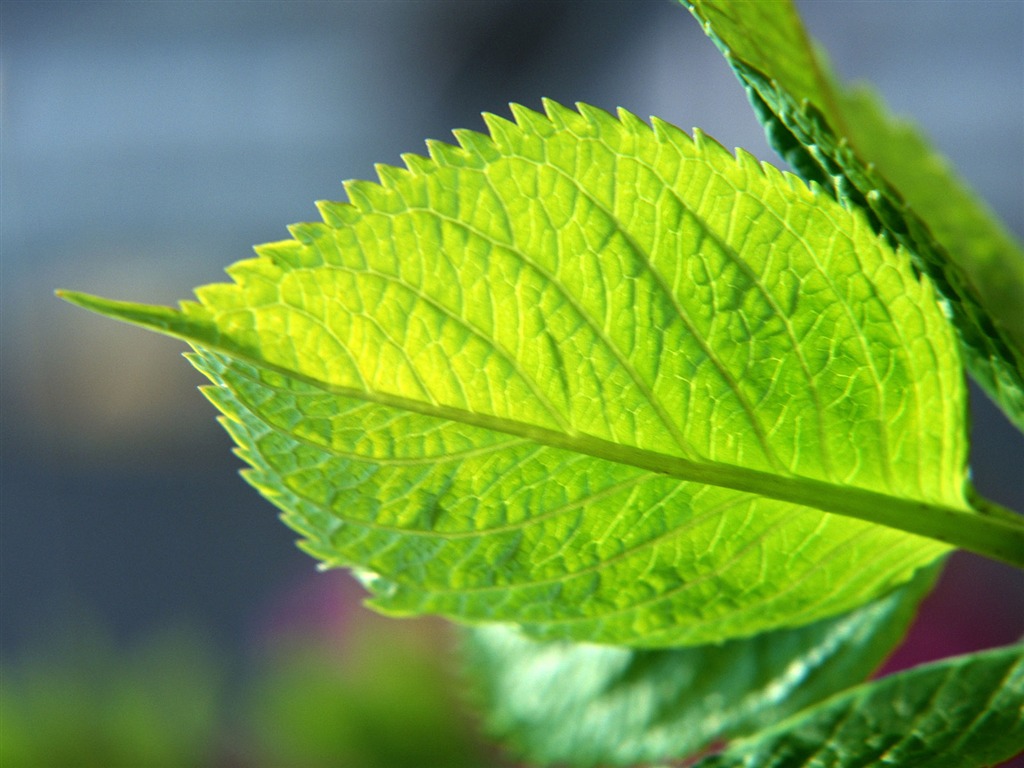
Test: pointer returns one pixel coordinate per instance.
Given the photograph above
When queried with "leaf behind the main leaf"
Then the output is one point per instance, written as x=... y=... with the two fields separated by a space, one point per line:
x=846 y=142
x=583 y=704
x=955 y=215
x=962 y=712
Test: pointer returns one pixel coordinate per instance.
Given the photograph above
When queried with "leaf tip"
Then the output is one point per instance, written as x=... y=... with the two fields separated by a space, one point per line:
x=72 y=297
x=97 y=304
x=157 y=318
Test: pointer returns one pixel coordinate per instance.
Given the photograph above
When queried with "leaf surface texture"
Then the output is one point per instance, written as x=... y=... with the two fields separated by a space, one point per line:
x=603 y=380
x=584 y=704
x=963 y=712
x=845 y=140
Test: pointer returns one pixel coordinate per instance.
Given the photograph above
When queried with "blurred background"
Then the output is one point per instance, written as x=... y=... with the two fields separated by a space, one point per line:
x=146 y=146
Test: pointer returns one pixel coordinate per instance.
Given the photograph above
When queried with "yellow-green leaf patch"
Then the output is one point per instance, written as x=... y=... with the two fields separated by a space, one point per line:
x=599 y=379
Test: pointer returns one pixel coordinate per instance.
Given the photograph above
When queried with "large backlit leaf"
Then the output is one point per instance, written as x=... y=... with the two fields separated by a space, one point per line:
x=602 y=380
x=584 y=704
x=844 y=140
x=929 y=716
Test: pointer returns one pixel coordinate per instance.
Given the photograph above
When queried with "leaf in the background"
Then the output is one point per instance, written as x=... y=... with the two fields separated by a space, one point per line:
x=602 y=380
x=584 y=704
x=845 y=141
x=962 y=712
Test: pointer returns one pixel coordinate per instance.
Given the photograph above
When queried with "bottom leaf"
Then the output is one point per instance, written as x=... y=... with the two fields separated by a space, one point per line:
x=963 y=712
x=584 y=704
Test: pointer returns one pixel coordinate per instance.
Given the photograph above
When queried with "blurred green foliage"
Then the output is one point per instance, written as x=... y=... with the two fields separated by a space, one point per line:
x=80 y=701
x=377 y=696
x=385 y=698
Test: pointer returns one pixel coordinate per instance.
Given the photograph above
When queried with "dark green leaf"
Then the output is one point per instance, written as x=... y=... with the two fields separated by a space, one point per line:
x=584 y=704
x=964 y=712
x=845 y=142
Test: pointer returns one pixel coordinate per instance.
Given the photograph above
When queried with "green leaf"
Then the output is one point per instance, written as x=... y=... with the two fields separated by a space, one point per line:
x=605 y=381
x=845 y=141
x=958 y=219
x=584 y=704
x=963 y=712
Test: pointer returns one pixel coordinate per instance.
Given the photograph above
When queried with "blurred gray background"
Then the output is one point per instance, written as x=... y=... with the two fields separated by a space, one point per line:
x=147 y=145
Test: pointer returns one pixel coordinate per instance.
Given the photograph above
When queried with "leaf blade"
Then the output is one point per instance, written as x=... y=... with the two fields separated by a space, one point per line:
x=582 y=704
x=829 y=136
x=966 y=711
x=958 y=218
x=599 y=337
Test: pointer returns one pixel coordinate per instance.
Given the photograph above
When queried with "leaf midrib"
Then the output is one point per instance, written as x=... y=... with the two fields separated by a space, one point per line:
x=941 y=522
x=991 y=536
x=477 y=533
